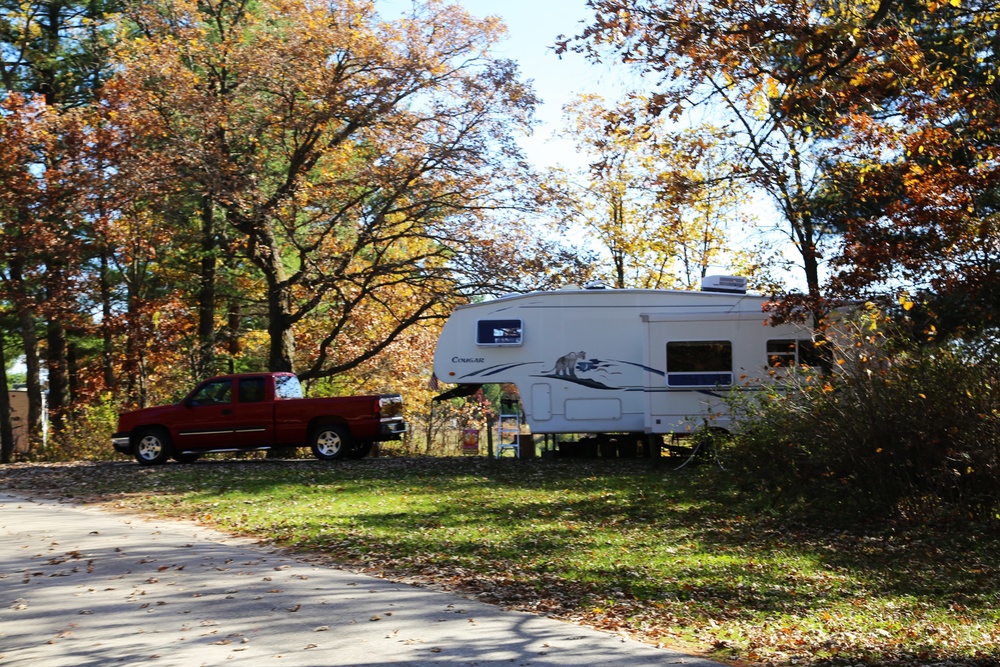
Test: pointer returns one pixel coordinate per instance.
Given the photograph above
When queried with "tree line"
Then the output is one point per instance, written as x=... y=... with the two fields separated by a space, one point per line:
x=228 y=184
x=872 y=127
x=193 y=187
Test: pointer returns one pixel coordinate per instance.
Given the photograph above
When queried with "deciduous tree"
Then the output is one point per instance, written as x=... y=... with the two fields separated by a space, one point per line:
x=54 y=49
x=875 y=120
x=355 y=162
x=658 y=200
x=916 y=193
x=780 y=75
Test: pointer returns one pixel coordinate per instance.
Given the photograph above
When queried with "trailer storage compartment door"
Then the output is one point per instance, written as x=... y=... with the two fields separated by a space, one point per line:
x=541 y=401
x=593 y=408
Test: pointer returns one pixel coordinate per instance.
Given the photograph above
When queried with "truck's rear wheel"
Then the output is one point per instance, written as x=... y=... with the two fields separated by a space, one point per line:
x=330 y=442
x=152 y=446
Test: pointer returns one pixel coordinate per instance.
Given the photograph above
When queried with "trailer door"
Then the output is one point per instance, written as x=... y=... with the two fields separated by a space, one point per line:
x=691 y=363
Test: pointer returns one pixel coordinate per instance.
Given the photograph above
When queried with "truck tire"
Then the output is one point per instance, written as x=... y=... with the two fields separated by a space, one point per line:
x=330 y=442
x=152 y=446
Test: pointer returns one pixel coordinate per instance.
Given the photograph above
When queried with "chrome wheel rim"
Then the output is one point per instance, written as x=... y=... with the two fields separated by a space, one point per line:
x=329 y=443
x=150 y=447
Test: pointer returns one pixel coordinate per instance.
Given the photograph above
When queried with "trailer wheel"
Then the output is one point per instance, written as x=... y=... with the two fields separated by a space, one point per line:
x=152 y=446
x=330 y=442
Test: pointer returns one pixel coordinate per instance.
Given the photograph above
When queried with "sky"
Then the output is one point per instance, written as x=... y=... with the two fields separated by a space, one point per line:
x=533 y=27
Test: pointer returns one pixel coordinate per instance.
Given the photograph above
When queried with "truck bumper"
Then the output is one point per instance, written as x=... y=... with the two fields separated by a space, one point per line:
x=392 y=430
x=122 y=442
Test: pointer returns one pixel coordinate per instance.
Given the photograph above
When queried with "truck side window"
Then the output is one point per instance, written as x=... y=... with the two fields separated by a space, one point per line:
x=287 y=386
x=699 y=363
x=250 y=390
x=219 y=392
x=499 y=332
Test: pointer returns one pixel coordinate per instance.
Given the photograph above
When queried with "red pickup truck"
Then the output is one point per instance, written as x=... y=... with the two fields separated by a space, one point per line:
x=255 y=411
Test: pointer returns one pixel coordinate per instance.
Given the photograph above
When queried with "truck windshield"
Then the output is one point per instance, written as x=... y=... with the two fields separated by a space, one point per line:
x=287 y=386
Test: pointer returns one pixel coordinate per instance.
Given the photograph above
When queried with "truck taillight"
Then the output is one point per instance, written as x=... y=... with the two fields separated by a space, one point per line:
x=390 y=405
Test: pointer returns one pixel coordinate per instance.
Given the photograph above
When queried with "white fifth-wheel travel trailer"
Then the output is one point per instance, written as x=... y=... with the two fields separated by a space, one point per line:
x=601 y=360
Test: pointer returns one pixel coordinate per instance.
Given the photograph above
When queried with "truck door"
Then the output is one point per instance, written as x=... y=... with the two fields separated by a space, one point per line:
x=206 y=420
x=217 y=417
x=253 y=413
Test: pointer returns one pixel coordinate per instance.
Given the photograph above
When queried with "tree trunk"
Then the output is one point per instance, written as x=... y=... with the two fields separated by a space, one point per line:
x=268 y=257
x=282 y=339
x=6 y=426
x=206 y=291
x=810 y=264
x=134 y=368
x=58 y=378
x=32 y=362
x=430 y=428
x=107 y=314
x=73 y=371
x=233 y=318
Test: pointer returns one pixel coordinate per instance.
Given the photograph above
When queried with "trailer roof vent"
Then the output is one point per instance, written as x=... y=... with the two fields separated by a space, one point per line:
x=730 y=284
x=595 y=284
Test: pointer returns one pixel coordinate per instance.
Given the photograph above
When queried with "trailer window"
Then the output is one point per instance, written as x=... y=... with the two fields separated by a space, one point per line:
x=499 y=332
x=699 y=363
x=810 y=354
x=780 y=353
x=784 y=353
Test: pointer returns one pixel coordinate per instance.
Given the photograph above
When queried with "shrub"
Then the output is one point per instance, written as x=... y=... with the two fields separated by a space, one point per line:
x=85 y=437
x=894 y=423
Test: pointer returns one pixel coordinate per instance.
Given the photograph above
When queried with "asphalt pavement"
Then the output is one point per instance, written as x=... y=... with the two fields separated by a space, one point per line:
x=80 y=586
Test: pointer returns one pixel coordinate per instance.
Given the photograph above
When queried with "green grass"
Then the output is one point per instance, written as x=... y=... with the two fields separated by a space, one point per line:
x=675 y=558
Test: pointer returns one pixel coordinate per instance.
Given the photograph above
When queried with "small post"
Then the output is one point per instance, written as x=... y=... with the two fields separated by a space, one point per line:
x=489 y=435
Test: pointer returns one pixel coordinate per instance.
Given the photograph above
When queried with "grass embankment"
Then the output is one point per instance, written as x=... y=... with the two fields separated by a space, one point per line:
x=675 y=558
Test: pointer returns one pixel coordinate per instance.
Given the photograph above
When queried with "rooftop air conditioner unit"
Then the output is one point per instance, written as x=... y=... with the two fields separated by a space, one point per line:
x=730 y=284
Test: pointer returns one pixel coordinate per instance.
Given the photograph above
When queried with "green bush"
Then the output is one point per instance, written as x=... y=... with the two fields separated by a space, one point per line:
x=85 y=437
x=896 y=425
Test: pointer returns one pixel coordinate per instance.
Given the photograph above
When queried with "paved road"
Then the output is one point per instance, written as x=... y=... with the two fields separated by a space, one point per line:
x=83 y=586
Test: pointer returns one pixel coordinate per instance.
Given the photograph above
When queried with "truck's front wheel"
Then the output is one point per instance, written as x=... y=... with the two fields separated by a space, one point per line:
x=330 y=442
x=152 y=446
